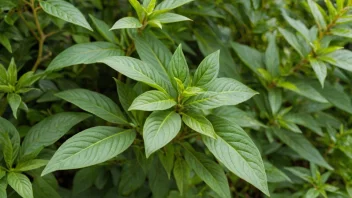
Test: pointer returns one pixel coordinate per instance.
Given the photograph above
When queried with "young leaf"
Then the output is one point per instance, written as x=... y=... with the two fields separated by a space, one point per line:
x=275 y=100
x=199 y=124
x=21 y=184
x=209 y=171
x=5 y=42
x=170 y=18
x=47 y=132
x=318 y=16
x=65 y=11
x=153 y=101
x=95 y=103
x=14 y=101
x=207 y=70
x=150 y=6
x=12 y=73
x=159 y=129
x=85 y=53
x=178 y=67
x=320 y=70
x=242 y=157
x=272 y=59
x=90 y=147
x=137 y=70
x=126 y=22
x=302 y=146
x=138 y=8
x=30 y=165
x=181 y=174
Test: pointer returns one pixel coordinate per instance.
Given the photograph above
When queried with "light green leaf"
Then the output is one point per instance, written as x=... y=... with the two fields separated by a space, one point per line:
x=12 y=73
x=30 y=165
x=275 y=100
x=171 y=4
x=14 y=101
x=138 y=8
x=181 y=174
x=90 y=147
x=272 y=59
x=85 y=53
x=192 y=91
x=3 y=74
x=305 y=120
x=318 y=16
x=7 y=129
x=249 y=56
x=340 y=58
x=137 y=70
x=207 y=70
x=242 y=157
x=49 y=130
x=7 y=149
x=5 y=42
x=103 y=29
x=21 y=184
x=95 y=103
x=159 y=129
x=65 y=11
x=320 y=70
x=209 y=171
x=126 y=22
x=152 y=101
x=178 y=67
x=170 y=18
x=199 y=124
x=343 y=32
x=293 y=41
x=302 y=146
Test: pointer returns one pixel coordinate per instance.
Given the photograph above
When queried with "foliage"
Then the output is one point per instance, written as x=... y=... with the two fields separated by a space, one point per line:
x=175 y=98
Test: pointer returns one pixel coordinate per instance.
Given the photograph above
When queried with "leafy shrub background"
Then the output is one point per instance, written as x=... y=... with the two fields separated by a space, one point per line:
x=136 y=99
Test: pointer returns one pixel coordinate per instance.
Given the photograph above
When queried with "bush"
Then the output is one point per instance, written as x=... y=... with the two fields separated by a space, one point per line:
x=171 y=129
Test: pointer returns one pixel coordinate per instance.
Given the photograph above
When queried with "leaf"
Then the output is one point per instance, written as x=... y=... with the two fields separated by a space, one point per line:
x=249 y=56
x=320 y=70
x=171 y=4
x=89 y=147
x=103 y=29
x=42 y=188
x=272 y=59
x=178 y=67
x=298 y=25
x=199 y=124
x=21 y=184
x=152 y=101
x=49 y=130
x=274 y=174
x=12 y=73
x=340 y=58
x=343 y=32
x=95 y=103
x=159 y=183
x=159 y=129
x=275 y=100
x=207 y=70
x=14 y=101
x=137 y=70
x=170 y=18
x=209 y=171
x=305 y=120
x=235 y=149
x=5 y=42
x=84 y=179
x=85 y=53
x=7 y=149
x=126 y=22
x=65 y=11
x=132 y=178
x=318 y=16
x=302 y=146
x=181 y=174
x=167 y=157
x=3 y=186
x=138 y=8
x=30 y=165
x=7 y=129
x=293 y=41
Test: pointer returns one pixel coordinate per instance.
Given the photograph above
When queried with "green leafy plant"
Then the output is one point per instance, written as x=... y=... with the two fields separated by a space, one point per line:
x=254 y=101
